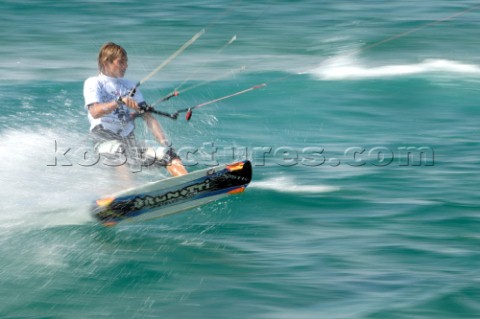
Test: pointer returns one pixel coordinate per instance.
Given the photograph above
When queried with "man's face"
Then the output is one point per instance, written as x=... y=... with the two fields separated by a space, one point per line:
x=116 y=68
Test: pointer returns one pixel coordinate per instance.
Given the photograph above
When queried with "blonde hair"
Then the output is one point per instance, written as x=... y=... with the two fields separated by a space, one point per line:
x=108 y=53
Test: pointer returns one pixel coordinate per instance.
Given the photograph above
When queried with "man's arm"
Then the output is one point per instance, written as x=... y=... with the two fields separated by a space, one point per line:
x=175 y=168
x=98 y=110
x=155 y=128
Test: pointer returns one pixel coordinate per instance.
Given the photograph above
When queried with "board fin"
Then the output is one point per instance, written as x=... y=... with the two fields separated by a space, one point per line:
x=235 y=166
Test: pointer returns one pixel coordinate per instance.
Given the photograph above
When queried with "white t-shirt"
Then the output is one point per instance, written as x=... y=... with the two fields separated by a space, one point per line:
x=102 y=89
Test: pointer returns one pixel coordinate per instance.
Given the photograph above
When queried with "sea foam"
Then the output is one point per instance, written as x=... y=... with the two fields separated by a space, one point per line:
x=351 y=69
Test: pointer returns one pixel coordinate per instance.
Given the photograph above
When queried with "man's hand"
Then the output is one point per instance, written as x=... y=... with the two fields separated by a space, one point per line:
x=131 y=103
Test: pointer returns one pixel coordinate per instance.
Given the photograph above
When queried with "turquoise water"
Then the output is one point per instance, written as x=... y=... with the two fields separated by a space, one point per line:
x=364 y=200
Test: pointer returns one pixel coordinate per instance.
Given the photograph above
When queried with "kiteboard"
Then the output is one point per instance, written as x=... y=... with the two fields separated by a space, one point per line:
x=173 y=195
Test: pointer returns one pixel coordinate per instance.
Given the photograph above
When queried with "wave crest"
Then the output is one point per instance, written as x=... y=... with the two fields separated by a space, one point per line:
x=288 y=185
x=348 y=69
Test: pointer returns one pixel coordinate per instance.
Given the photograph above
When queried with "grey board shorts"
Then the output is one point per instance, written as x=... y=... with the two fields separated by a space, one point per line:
x=118 y=150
